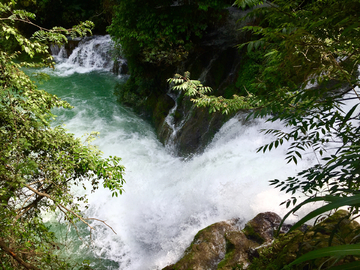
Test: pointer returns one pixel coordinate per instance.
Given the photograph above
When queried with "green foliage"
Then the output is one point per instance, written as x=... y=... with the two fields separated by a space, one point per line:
x=68 y=13
x=316 y=42
x=337 y=251
x=249 y=71
x=159 y=31
x=38 y=163
x=155 y=37
x=319 y=43
x=334 y=231
x=197 y=91
x=192 y=87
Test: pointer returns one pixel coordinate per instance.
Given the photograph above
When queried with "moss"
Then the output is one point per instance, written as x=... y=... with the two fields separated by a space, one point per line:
x=252 y=234
x=230 y=250
x=251 y=66
x=336 y=229
x=282 y=251
x=228 y=262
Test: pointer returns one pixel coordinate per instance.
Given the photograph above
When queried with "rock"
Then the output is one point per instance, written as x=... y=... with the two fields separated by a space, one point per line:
x=120 y=67
x=215 y=61
x=207 y=249
x=238 y=251
x=261 y=228
x=69 y=47
x=224 y=246
x=197 y=131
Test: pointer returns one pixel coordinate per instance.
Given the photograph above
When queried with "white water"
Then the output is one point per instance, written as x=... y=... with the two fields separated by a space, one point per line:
x=167 y=199
x=91 y=54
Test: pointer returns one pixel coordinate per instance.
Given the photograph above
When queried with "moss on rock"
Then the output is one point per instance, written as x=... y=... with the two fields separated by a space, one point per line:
x=334 y=230
x=223 y=246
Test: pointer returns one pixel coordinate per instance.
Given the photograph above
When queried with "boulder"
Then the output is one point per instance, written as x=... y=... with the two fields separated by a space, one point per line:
x=207 y=249
x=261 y=228
x=225 y=246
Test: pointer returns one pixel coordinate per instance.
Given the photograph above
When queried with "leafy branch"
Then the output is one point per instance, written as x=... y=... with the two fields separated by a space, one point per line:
x=198 y=94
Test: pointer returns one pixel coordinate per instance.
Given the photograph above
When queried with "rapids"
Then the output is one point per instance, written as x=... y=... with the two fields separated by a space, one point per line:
x=167 y=199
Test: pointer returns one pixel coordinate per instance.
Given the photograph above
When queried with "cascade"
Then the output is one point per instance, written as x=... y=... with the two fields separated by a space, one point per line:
x=171 y=125
x=170 y=121
x=88 y=54
x=167 y=199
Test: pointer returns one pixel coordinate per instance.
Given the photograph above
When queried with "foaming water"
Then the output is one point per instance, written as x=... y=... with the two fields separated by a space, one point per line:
x=167 y=199
x=91 y=54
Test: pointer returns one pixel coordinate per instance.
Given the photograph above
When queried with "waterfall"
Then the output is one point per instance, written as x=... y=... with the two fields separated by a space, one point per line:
x=167 y=199
x=86 y=55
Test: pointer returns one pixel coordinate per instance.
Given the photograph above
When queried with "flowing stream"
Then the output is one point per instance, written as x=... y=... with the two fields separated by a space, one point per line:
x=167 y=199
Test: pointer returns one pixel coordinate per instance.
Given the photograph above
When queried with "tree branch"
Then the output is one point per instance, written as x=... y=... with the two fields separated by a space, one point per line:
x=58 y=204
x=4 y=247
x=102 y=222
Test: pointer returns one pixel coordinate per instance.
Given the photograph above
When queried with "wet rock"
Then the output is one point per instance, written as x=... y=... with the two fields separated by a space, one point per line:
x=215 y=62
x=261 y=228
x=69 y=46
x=120 y=67
x=224 y=246
x=198 y=130
x=238 y=251
x=207 y=249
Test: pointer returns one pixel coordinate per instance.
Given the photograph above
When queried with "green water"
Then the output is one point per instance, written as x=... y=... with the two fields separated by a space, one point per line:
x=85 y=92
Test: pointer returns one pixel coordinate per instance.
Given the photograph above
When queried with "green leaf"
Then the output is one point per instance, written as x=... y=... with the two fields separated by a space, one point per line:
x=336 y=251
x=347 y=266
x=335 y=202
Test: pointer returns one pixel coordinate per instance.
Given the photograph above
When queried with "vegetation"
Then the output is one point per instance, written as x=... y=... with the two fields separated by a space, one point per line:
x=311 y=55
x=68 y=13
x=38 y=163
x=286 y=248
x=161 y=32
x=155 y=37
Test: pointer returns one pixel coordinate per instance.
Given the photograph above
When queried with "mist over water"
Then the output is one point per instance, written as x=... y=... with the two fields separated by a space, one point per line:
x=167 y=199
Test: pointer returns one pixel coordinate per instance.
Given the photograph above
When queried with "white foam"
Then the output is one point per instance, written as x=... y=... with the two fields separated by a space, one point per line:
x=91 y=54
x=167 y=199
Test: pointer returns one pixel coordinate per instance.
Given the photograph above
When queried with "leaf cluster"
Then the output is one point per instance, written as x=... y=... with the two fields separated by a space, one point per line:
x=68 y=13
x=199 y=95
x=38 y=163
